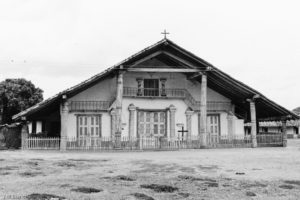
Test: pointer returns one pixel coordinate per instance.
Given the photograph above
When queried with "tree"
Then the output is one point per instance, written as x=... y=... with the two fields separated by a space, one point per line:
x=17 y=95
x=297 y=111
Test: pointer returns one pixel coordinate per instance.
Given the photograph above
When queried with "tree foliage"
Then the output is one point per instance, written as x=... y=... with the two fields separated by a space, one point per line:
x=297 y=111
x=17 y=95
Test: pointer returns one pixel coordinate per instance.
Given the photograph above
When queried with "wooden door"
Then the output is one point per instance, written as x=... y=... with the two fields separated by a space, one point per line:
x=213 y=128
x=152 y=123
x=88 y=130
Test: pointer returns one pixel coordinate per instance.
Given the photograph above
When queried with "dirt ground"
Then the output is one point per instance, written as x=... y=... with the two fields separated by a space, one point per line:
x=262 y=173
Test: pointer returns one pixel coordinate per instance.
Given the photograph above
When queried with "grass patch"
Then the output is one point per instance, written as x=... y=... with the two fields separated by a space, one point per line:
x=192 y=178
x=65 y=164
x=188 y=169
x=37 y=159
x=37 y=196
x=141 y=196
x=160 y=188
x=211 y=184
x=289 y=187
x=4 y=173
x=88 y=160
x=208 y=167
x=32 y=163
x=293 y=182
x=30 y=174
x=124 y=178
x=251 y=185
x=86 y=190
x=8 y=168
x=184 y=194
x=250 y=194
x=65 y=185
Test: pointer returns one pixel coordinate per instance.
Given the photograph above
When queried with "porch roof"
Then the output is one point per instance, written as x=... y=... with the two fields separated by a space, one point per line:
x=177 y=57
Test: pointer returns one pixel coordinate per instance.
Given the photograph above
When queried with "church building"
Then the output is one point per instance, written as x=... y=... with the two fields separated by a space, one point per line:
x=161 y=97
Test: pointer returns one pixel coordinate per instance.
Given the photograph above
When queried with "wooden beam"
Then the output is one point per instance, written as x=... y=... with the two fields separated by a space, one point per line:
x=195 y=75
x=147 y=58
x=182 y=70
x=179 y=59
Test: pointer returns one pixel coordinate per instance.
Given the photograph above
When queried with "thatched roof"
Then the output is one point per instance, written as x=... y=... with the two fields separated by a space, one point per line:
x=226 y=85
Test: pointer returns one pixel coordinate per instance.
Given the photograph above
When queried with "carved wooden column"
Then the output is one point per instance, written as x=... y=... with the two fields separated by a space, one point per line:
x=172 y=122
x=132 y=110
x=163 y=87
x=119 y=98
x=253 y=123
x=24 y=136
x=113 y=114
x=140 y=87
x=64 y=110
x=203 y=112
x=188 y=115
x=284 y=134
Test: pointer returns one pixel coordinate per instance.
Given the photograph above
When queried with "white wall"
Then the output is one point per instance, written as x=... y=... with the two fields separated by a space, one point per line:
x=72 y=123
x=105 y=90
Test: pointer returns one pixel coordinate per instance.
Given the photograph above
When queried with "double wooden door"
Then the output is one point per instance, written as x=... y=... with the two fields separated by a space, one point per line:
x=88 y=129
x=152 y=123
x=213 y=128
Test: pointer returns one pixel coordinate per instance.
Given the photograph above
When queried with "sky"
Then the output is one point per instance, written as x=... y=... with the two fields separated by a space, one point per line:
x=59 y=43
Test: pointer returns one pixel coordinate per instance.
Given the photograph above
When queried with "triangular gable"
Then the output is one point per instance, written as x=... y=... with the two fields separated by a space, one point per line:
x=167 y=52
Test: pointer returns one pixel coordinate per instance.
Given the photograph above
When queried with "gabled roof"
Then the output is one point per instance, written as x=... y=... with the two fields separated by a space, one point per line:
x=218 y=80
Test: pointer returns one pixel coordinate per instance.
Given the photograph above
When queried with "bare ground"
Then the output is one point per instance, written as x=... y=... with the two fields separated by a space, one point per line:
x=262 y=173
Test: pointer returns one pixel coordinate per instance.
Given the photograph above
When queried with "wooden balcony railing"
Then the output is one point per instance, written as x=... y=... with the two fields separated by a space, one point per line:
x=176 y=93
x=153 y=92
x=84 y=106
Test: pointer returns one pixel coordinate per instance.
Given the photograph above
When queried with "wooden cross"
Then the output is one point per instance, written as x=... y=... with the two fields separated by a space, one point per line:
x=182 y=131
x=165 y=33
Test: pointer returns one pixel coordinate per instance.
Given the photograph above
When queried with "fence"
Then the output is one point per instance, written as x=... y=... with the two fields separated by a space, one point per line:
x=38 y=143
x=269 y=139
x=226 y=141
x=153 y=143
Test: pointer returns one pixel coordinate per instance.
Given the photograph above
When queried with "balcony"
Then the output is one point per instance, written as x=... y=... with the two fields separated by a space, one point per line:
x=86 y=106
x=178 y=93
x=152 y=92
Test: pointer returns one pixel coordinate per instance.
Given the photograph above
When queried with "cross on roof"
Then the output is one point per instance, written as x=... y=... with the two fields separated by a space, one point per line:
x=165 y=33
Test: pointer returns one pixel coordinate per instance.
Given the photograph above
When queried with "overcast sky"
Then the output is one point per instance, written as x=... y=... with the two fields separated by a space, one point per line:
x=59 y=43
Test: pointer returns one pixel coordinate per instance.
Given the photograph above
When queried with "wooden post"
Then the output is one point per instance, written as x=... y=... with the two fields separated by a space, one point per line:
x=203 y=112
x=284 y=134
x=119 y=98
x=131 y=109
x=172 y=122
x=253 y=123
x=231 y=129
x=113 y=114
x=188 y=115
x=64 y=110
x=24 y=136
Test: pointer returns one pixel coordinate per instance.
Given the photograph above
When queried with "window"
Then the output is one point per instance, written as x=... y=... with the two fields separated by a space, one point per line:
x=88 y=126
x=151 y=87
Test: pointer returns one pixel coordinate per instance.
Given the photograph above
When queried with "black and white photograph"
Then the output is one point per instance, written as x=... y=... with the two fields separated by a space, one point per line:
x=149 y=100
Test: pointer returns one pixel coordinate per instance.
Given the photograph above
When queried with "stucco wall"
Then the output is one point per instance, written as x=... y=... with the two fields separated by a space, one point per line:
x=72 y=123
x=105 y=90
